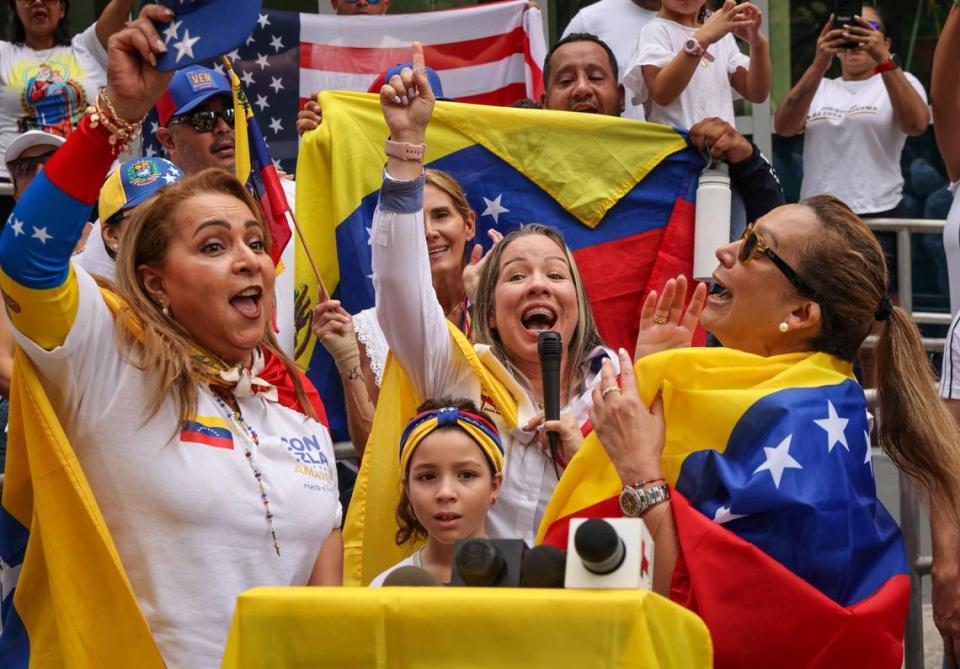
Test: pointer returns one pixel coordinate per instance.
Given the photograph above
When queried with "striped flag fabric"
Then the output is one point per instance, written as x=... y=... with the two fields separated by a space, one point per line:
x=256 y=169
x=489 y=54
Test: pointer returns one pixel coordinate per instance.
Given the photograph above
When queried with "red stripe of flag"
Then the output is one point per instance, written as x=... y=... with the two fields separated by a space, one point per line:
x=84 y=147
x=500 y=97
x=445 y=56
x=557 y=533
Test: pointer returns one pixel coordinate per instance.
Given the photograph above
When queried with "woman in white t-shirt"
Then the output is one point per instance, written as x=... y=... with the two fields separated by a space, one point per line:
x=47 y=80
x=686 y=69
x=855 y=126
x=206 y=449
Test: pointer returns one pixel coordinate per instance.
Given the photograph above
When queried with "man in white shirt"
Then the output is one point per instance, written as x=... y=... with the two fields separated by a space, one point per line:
x=618 y=23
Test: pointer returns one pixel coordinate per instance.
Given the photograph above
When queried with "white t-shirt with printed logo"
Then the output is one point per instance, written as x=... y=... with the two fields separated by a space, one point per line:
x=181 y=501
x=852 y=145
x=48 y=89
x=708 y=93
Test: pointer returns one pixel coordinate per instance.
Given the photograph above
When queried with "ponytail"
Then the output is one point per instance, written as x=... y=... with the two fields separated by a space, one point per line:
x=914 y=427
x=846 y=268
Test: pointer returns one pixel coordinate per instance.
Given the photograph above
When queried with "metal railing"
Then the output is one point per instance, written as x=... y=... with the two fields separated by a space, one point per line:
x=910 y=517
x=6 y=189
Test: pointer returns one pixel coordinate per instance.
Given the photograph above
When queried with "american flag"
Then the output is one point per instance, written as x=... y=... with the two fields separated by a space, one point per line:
x=488 y=54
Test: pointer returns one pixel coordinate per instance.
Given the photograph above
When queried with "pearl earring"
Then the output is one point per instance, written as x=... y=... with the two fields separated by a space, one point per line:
x=166 y=310
x=783 y=327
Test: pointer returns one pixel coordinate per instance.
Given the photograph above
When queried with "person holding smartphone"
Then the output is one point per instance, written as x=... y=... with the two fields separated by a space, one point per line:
x=855 y=126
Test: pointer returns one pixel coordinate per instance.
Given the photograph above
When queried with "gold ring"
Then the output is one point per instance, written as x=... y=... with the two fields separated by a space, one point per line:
x=609 y=389
x=660 y=320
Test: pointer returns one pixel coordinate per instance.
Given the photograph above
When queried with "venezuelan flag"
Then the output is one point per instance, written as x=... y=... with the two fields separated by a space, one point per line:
x=257 y=170
x=620 y=191
x=207 y=430
x=787 y=554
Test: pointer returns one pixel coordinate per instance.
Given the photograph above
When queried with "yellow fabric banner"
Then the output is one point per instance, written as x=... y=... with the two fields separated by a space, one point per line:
x=73 y=597
x=444 y=628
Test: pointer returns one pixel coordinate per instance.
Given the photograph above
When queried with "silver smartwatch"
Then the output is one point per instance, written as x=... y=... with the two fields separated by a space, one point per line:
x=635 y=501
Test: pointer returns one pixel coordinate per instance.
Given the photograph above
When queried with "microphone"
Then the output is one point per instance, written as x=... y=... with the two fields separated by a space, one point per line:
x=409 y=575
x=550 y=349
x=543 y=567
x=488 y=563
x=609 y=553
x=599 y=546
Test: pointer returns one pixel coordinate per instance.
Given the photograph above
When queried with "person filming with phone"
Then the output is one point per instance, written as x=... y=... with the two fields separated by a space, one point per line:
x=855 y=126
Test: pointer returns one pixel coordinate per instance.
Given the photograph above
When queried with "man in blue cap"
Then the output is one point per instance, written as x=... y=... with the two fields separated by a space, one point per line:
x=196 y=120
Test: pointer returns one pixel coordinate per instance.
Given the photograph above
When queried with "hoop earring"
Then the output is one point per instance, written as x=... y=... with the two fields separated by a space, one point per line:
x=783 y=327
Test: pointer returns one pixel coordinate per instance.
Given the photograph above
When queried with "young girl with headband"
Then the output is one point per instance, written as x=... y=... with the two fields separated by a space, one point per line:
x=451 y=460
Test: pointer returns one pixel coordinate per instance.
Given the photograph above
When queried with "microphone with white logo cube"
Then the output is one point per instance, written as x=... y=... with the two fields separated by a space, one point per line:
x=609 y=553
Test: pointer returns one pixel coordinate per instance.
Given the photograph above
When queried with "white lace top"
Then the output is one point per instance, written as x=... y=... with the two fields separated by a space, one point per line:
x=370 y=335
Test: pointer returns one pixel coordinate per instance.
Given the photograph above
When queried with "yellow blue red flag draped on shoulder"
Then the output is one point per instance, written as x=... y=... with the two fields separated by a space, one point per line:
x=786 y=552
x=66 y=600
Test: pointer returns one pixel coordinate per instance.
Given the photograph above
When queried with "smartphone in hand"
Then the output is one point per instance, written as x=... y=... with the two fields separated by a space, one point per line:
x=844 y=12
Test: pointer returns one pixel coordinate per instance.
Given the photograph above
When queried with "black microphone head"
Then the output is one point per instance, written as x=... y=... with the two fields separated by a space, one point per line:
x=544 y=567
x=479 y=562
x=409 y=575
x=599 y=546
x=549 y=344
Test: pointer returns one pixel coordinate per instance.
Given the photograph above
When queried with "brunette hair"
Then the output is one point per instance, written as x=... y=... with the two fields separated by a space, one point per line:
x=165 y=347
x=409 y=528
x=61 y=35
x=585 y=336
x=845 y=267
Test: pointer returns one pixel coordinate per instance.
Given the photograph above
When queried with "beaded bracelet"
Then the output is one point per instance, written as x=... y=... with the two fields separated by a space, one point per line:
x=122 y=132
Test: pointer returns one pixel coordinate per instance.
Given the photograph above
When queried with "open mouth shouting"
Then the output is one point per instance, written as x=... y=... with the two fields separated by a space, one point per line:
x=248 y=302
x=538 y=318
x=719 y=293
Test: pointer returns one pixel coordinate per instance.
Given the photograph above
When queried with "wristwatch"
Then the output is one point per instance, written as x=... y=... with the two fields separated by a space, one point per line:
x=404 y=150
x=693 y=47
x=635 y=501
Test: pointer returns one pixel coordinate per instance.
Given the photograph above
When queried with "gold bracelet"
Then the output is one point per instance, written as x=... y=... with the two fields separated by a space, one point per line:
x=122 y=132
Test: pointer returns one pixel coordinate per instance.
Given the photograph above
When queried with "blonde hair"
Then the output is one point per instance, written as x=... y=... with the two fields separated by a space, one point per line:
x=585 y=336
x=451 y=187
x=165 y=347
x=845 y=266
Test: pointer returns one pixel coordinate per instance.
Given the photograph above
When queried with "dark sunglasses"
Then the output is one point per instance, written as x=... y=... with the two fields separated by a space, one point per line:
x=205 y=120
x=27 y=167
x=752 y=244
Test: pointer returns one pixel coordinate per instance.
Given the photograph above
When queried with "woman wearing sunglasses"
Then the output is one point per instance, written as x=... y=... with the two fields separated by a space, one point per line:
x=795 y=298
x=855 y=126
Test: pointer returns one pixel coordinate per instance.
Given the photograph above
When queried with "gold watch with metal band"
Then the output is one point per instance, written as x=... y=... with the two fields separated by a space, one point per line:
x=635 y=501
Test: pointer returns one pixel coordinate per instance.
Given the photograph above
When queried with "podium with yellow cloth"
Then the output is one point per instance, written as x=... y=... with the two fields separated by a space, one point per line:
x=463 y=627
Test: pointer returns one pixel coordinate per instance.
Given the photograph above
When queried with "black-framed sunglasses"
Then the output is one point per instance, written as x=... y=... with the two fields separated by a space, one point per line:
x=27 y=167
x=204 y=120
x=752 y=244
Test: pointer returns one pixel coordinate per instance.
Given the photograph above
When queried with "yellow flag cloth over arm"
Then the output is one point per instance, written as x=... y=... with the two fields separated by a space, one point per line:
x=369 y=545
x=705 y=392
x=73 y=604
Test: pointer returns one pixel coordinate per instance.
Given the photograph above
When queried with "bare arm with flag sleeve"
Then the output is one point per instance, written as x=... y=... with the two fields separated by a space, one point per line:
x=409 y=313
